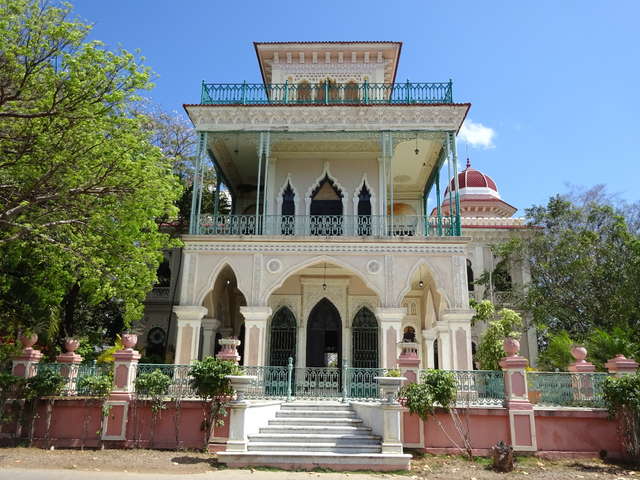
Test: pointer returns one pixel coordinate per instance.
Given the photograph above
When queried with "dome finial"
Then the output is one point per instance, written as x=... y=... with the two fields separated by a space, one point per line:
x=468 y=163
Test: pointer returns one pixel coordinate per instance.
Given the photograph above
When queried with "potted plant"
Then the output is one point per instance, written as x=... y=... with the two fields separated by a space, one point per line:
x=390 y=384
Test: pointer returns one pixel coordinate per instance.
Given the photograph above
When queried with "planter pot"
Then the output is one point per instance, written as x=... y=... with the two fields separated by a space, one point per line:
x=241 y=384
x=390 y=386
x=534 y=396
x=129 y=340
x=511 y=346
x=71 y=344
x=28 y=341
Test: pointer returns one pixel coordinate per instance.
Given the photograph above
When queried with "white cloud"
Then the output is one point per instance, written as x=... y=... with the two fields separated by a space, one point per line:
x=477 y=134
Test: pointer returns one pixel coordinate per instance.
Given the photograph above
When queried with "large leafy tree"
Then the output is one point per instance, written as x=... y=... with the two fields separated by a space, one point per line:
x=585 y=266
x=81 y=183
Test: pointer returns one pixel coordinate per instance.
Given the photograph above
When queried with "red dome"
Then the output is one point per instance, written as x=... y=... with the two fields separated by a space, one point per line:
x=470 y=177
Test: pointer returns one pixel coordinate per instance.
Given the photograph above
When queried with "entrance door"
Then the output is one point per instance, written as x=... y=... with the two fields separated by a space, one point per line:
x=324 y=336
x=364 y=333
x=283 y=338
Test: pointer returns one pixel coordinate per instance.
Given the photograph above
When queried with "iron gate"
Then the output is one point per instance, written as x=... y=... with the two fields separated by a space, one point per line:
x=364 y=339
x=283 y=337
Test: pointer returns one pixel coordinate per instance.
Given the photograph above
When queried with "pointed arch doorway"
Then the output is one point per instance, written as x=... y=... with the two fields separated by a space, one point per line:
x=324 y=336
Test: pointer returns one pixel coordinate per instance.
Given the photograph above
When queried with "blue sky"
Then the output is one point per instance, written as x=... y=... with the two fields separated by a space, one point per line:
x=557 y=82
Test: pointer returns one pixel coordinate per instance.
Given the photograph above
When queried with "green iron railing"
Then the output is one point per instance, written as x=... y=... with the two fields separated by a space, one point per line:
x=180 y=386
x=319 y=383
x=326 y=93
x=479 y=387
x=566 y=389
x=75 y=373
x=325 y=225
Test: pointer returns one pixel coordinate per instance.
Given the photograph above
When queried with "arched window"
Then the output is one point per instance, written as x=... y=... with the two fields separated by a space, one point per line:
x=409 y=334
x=364 y=336
x=283 y=337
x=326 y=209
x=304 y=91
x=288 y=211
x=470 y=285
x=351 y=94
x=501 y=277
x=364 y=211
x=327 y=90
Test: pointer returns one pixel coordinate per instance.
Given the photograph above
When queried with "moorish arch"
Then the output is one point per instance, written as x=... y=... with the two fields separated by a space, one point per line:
x=324 y=336
x=374 y=282
x=223 y=303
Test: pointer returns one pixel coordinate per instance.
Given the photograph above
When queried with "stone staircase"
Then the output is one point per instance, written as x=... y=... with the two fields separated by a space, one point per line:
x=306 y=435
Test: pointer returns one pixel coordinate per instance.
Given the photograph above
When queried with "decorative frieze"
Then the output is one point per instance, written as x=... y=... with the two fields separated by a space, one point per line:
x=329 y=118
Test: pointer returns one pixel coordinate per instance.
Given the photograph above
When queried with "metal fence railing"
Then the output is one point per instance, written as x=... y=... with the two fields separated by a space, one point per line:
x=76 y=376
x=566 y=389
x=325 y=225
x=479 y=387
x=326 y=93
x=180 y=386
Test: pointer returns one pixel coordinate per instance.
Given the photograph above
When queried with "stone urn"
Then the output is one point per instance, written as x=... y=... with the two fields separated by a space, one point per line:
x=28 y=341
x=579 y=353
x=129 y=340
x=241 y=384
x=390 y=386
x=511 y=346
x=71 y=344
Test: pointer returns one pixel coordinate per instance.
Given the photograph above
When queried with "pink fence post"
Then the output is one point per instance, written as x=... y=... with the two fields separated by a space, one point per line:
x=26 y=364
x=408 y=361
x=71 y=360
x=125 y=368
x=521 y=418
x=582 y=385
x=621 y=365
x=229 y=350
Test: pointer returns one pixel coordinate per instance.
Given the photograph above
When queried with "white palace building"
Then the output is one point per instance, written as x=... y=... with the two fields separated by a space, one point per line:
x=330 y=253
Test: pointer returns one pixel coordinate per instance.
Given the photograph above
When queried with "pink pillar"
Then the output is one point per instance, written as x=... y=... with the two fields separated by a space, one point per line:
x=125 y=368
x=581 y=365
x=229 y=350
x=582 y=385
x=72 y=360
x=620 y=365
x=408 y=361
x=26 y=364
x=521 y=418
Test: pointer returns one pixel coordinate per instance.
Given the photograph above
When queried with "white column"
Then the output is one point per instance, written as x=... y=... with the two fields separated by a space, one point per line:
x=444 y=347
x=428 y=337
x=209 y=329
x=255 y=334
x=390 y=334
x=454 y=332
x=188 y=321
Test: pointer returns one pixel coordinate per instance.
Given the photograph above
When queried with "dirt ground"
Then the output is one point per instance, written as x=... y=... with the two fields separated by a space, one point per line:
x=189 y=462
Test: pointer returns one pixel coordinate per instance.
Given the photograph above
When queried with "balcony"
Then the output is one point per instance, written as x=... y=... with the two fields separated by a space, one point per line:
x=325 y=225
x=326 y=93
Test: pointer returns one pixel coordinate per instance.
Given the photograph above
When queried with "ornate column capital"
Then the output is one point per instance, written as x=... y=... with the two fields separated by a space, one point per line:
x=255 y=314
x=210 y=324
x=189 y=312
x=391 y=314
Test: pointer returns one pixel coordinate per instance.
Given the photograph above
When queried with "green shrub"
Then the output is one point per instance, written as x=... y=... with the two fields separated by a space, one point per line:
x=394 y=372
x=438 y=388
x=153 y=384
x=208 y=377
x=622 y=397
x=557 y=354
x=95 y=385
x=47 y=383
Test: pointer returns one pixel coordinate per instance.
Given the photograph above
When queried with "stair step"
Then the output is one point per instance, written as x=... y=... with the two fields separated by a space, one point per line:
x=316 y=406
x=340 y=421
x=316 y=413
x=339 y=439
x=312 y=447
x=294 y=460
x=316 y=429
